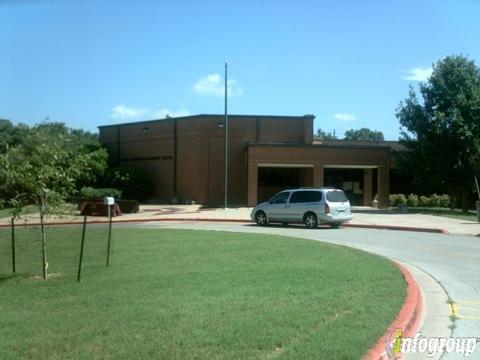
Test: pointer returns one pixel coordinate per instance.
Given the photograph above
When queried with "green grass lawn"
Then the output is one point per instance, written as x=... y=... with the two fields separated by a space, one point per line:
x=178 y=294
x=455 y=214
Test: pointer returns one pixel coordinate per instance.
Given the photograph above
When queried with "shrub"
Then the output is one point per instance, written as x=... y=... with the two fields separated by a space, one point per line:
x=444 y=200
x=434 y=200
x=424 y=201
x=134 y=183
x=412 y=200
x=90 y=192
x=397 y=200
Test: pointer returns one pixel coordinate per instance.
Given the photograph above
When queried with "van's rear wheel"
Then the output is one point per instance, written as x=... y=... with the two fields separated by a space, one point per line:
x=310 y=220
x=335 y=225
x=261 y=218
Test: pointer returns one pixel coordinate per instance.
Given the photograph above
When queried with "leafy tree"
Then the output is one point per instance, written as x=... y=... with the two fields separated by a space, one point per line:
x=441 y=133
x=44 y=170
x=81 y=142
x=11 y=134
x=323 y=135
x=364 y=134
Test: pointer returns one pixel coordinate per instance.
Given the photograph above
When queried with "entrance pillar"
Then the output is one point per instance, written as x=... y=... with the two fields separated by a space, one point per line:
x=317 y=175
x=383 y=186
x=252 y=183
x=367 y=187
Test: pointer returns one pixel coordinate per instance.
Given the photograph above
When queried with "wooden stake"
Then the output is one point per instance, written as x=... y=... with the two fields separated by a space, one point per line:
x=81 y=248
x=109 y=233
x=13 y=244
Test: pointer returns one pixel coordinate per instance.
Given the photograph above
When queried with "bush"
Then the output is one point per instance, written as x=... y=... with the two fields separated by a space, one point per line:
x=397 y=200
x=424 y=201
x=412 y=200
x=444 y=200
x=134 y=183
x=90 y=192
x=434 y=200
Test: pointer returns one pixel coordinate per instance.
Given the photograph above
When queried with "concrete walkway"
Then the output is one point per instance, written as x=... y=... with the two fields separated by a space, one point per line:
x=363 y=216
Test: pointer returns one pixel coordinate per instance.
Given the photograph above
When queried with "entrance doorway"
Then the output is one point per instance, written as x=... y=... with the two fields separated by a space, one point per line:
x=271 y=180
x=351 y=181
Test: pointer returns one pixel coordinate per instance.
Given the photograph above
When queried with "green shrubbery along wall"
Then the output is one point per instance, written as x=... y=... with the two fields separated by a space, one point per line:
x=413 y=200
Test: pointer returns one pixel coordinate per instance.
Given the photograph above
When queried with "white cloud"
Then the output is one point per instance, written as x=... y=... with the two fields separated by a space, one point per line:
x=344 y=117
x=162 y=113
x=418 y=74
x=213 y=84
x=124 y=112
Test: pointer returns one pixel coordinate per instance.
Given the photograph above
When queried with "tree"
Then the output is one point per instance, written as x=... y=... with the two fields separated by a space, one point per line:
x=441 y=133
x=11 y=134
x=44 y=170
x=323 y=135
x=79 y=142
x=364 y=134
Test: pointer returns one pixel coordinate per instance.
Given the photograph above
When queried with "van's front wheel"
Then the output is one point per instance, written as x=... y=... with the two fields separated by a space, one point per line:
x=310 y=220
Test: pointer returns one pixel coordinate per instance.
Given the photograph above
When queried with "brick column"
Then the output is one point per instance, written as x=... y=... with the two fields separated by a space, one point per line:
x=317 y=175
x=252 y=183
x=367 y=187
x=383 y=186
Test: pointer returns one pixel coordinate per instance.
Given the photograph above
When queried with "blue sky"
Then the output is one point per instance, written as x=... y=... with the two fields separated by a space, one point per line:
x=90 y=63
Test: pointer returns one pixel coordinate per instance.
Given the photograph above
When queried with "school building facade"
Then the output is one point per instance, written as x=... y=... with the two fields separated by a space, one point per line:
x=184 y=157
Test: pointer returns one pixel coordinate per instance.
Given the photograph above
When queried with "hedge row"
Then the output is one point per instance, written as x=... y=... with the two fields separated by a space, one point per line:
x=90 y=192
x=413 y=200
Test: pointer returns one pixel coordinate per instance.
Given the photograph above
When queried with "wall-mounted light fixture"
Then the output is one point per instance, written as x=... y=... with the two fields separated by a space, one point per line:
x=145 y=129
x=220 y=125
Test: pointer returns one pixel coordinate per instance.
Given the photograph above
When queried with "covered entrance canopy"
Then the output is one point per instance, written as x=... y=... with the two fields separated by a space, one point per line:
x=273 y=178
x=362 y=171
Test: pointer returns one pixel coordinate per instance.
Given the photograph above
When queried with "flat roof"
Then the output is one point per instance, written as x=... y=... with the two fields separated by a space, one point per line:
x=390 y=143
x=222 y=116
x=346 y=144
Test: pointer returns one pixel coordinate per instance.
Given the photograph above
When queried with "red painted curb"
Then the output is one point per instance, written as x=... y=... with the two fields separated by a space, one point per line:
x=361 y=226
x=408 y=319
x=400 y=228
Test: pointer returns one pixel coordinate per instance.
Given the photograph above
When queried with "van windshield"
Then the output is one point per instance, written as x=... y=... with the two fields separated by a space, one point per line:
x=336 y=196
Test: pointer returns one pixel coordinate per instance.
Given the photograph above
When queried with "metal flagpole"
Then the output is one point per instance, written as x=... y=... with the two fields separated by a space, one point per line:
x=225 y=185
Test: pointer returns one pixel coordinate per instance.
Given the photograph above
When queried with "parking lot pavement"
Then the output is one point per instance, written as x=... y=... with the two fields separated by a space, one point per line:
x=447 y=267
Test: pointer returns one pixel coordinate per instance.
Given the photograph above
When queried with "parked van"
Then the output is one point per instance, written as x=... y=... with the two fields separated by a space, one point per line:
x=308 y=206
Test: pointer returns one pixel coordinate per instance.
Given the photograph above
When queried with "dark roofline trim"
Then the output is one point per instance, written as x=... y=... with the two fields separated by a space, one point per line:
x=296 y=117
x=300 y=145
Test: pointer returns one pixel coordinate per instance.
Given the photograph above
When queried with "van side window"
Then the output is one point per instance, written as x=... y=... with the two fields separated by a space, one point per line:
x=280 y=198
x=306 y=196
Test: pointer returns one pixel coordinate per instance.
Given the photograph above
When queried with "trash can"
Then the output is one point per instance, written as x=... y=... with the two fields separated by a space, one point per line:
x=478 y=210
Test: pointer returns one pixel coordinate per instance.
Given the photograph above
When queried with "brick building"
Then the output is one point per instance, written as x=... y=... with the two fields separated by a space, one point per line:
x=185 y=158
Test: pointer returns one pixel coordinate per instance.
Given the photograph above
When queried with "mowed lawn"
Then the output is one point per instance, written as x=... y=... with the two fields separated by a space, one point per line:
x=178 y=294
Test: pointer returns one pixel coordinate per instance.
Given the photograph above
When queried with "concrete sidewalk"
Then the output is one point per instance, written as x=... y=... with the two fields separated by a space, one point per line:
x=363 y=216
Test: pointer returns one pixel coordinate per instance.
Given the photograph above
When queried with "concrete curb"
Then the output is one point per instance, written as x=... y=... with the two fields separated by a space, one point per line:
x=361 y=226
x=408 y=319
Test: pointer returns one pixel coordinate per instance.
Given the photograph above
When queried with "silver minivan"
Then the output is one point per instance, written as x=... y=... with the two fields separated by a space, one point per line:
x=308 y=206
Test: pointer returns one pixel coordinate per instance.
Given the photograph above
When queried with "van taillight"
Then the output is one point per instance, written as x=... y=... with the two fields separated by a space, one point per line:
x=327 y=208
